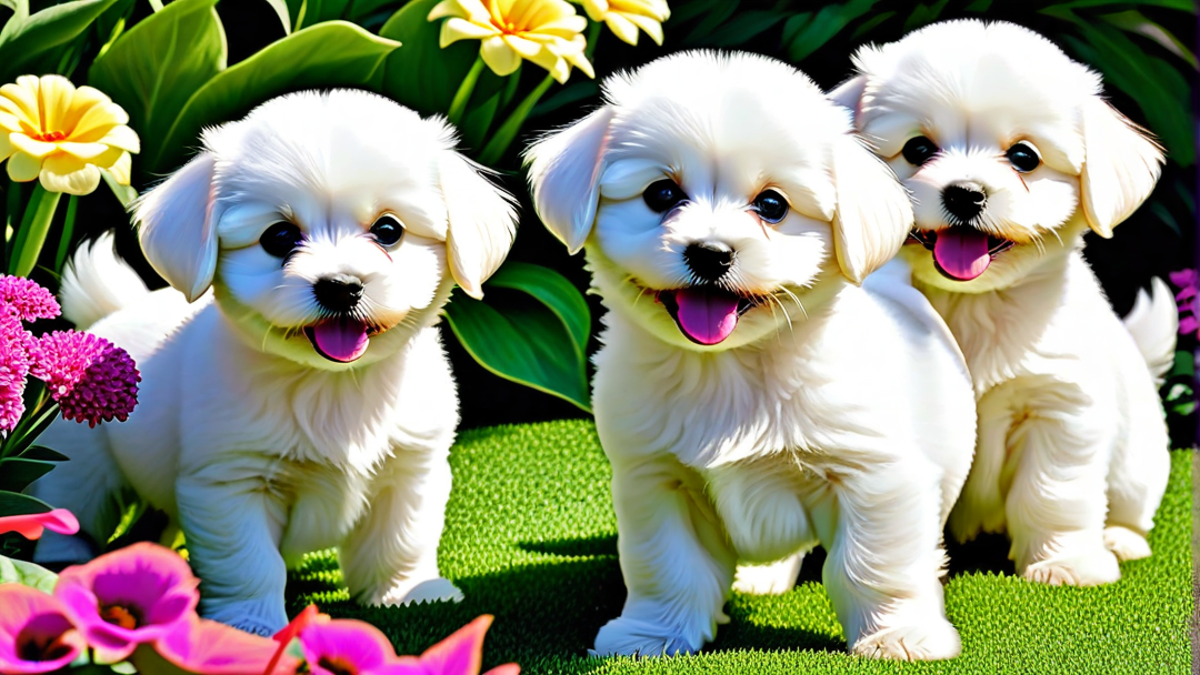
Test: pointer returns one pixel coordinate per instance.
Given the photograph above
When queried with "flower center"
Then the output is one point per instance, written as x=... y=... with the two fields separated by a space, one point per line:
x=507 y=27
x=33 y=647
x=119 y=615
x=50 y=136
x=337 y=666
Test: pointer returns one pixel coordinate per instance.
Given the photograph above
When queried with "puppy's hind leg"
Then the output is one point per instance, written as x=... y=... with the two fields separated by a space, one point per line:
x=1137 y=479
x=88 y=485
x=675 y=557
x=774 y=578
x=390 y=557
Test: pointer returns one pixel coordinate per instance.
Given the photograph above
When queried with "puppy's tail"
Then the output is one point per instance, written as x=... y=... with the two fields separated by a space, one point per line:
x=97 y=283
x=1153 y=322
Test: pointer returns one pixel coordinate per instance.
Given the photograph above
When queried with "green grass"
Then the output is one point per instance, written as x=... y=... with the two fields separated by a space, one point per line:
x=531 y=538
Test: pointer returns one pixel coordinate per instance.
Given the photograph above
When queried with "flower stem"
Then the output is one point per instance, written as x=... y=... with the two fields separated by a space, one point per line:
x=459 y=104
x=507 y=132
x=64 y=242
x=31 y=235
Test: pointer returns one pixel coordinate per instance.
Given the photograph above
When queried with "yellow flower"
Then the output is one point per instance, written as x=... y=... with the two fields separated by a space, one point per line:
x=547 y=32
x=625 y=17
x=65 y=136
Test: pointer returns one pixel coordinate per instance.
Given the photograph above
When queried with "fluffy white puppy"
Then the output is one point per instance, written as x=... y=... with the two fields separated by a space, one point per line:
x=1011 y=154
x=752 y=398
x=305 y=401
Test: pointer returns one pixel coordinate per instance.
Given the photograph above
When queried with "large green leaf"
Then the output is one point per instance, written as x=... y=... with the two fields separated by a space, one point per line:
x=805 y=33
x=154 y=68
x=537 y=338
x=17 y=504
x=14 y=571
x=331 y=54
x=16 y=473
x=27 y=38
x=306 y=13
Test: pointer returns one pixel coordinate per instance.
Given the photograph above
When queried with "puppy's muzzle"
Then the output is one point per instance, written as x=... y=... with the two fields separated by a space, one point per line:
x=339 y=293
x=708 y=261
x=964 y=201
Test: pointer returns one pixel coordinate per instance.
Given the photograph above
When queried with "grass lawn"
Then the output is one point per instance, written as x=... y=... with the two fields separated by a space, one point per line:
x=531 y=538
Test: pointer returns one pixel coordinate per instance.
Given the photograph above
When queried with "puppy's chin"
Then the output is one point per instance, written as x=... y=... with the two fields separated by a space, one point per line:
x=733 y=320
x=304 y=346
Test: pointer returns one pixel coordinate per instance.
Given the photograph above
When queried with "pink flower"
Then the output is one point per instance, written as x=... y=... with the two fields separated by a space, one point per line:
x=1188 y=299
x=130 y=596
x=211 y=648
x=15 y=345
x=28 y=300
x=459 y=654
x=31 y=526
x=91 y=379
x=36 y=634
x=345 y=647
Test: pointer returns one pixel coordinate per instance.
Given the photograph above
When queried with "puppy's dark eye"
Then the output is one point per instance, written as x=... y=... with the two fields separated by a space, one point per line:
x=1024 y=157
x=387 y=230
x=771 y=206
x=280 y=239
x=663 y=195
x=919 y=150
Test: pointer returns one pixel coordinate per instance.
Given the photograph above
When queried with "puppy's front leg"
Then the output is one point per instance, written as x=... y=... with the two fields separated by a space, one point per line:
x=233 y=530
x=675 y=557
x=885 y=559
x=390 y=557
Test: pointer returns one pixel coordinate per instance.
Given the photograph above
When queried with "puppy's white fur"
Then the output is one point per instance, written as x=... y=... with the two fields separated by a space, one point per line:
x=812 y=421
x=255 y=445
x=1071 y=458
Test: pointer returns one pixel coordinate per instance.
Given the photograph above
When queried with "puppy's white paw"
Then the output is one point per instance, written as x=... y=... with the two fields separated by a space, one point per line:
x=1125 y=543
x=774 y=578
x=928 y=641
x=429 y=590
x=1090 y=568
x=624 y=636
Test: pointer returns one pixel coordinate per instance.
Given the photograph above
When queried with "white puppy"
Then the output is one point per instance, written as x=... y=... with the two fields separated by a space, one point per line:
x=305 y=402
x=754 y=400
x=1011 y=154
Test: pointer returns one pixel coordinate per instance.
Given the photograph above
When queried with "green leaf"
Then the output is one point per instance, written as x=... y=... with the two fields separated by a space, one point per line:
x=924 y=14
x=1134 y=21
x=306 y=13
x=154 y=68
x=805 y=37
x=746 y=26
x=16 y=473
x=14 y=571
x=43 y=453
x=570 y=94
x=711 y=21
x=17 y=504
x=331 y=54
x=28 y=37
x=425 y=77
x=1188 y=6
x=285 y=18
x=537 y=338
x=31 y=235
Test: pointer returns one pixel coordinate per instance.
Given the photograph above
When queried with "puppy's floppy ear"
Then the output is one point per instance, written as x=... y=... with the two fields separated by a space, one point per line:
x=482 y=222
x=564 y=171
x=177 y=228
x=1121 y=165
x=849 y=94
x=873 y=214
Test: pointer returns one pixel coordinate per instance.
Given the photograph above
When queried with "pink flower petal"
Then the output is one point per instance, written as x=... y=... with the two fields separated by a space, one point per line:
x=31 y=526
x=1182 y=278
x=461 y=653
x=27 y=299
x=211 y=648
x=35 y=621
x=345 y=644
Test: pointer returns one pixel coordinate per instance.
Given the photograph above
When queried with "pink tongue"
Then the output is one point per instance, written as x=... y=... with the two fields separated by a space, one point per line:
x=705 y=316
x=340 y=339
x=961 y=253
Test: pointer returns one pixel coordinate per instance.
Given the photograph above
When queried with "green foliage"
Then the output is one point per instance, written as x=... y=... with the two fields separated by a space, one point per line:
x=35 y=42
x=20 y=572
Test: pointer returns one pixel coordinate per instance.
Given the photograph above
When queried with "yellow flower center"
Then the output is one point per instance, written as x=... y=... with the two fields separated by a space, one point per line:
x=49 y=136
x=118 y=615
x=506 y=27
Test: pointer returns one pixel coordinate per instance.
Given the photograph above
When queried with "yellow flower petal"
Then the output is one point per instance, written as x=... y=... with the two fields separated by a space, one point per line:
x=621 y=27
x=526 y=48
x=444 y=9
x=499 y=56
x=121 y=168
x=97 y=121
x=579 y=60
x=595 y=9
x=6 y=148
x=23 y=167
x=27 y=145
x=461 y=29
x=124 y=138
x=86 y=152
x=63 y=173
x=651 y=27
x=9 y=122
x=20 y=101
x=54 y=100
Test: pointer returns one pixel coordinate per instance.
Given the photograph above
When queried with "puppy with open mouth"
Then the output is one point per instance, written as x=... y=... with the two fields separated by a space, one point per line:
x=304 y=402
x=752 y=398
x=1010 y=155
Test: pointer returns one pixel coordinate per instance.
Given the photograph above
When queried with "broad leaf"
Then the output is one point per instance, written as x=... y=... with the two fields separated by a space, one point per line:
x=26 y=38
x=537 y=338
x=16 y=473
x=305 y=13
x=805 y=36
x=14 y=571
x=43 y=453
x=154 y=68
x=17 y=504
x=332 y=54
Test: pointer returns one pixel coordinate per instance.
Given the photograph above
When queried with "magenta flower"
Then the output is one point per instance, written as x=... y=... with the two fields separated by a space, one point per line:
x=1188 y=299
x=459 y=654
x=91 y=379
x=211 y=648
x=345 y=647
x=27 y=299
x=36 y=634
x=130 y=596
x=33 y=525
x=15 y=345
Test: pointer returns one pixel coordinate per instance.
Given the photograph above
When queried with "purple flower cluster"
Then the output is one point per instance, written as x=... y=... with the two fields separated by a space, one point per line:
x=91 y=379
x=1188 y=300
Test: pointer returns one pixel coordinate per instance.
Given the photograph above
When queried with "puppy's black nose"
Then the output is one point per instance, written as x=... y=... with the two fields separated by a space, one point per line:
x=964 y=201
x=338 y=293
x=708 y=261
